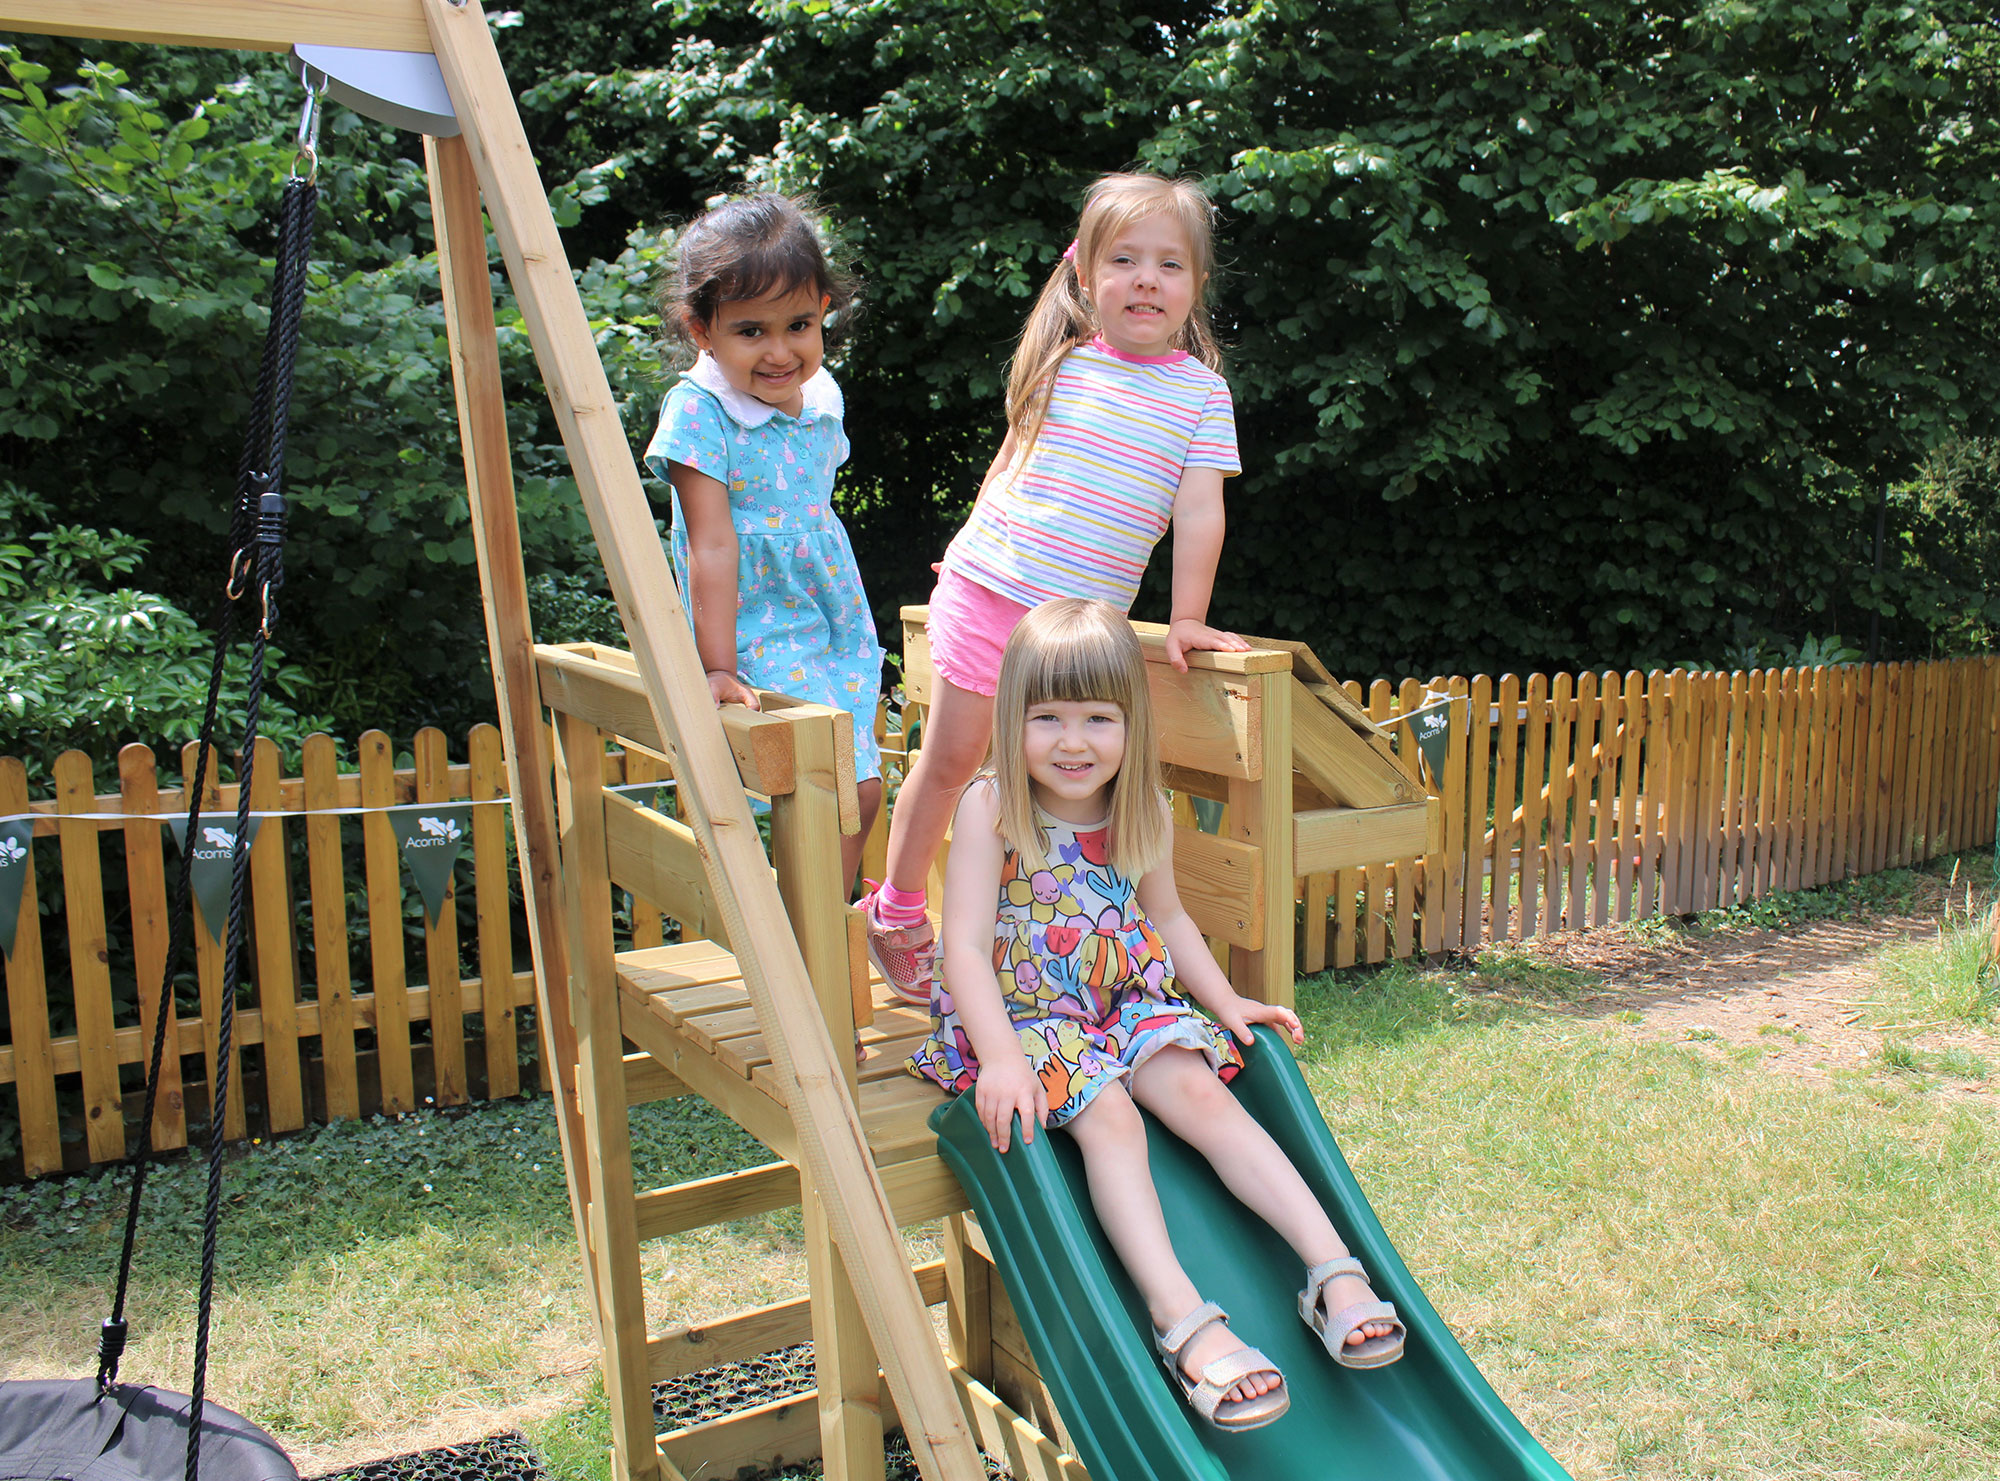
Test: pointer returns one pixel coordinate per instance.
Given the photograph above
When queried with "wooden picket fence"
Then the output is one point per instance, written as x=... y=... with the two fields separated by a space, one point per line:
x=344 y=1042
x=1586 y=798
x=1568 y=802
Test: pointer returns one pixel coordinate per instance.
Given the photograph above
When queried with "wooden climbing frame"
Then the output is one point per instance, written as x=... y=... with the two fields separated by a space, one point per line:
x=756 y=1006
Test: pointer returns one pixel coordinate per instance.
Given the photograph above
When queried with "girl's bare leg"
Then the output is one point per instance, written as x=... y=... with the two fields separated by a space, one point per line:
x=1178 y=1086
x=1113 y=1141
x=958 y=731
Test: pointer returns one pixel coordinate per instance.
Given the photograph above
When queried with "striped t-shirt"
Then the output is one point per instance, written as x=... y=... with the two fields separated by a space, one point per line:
x=1081 y=516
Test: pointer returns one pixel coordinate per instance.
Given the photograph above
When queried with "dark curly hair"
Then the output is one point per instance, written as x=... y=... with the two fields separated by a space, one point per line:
x=748 y=247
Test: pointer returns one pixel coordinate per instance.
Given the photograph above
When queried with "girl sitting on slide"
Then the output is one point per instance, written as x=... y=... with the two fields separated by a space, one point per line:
x=1068 y=964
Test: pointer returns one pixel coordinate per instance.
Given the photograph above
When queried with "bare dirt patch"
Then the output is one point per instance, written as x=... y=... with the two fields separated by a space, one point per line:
x=1806 y=999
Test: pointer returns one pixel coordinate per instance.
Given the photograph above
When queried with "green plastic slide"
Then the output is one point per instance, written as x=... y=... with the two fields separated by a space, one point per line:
x=1429 y=1416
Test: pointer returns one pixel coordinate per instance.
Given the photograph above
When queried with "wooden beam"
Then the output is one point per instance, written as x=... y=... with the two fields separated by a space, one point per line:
x=1338 y=761
x=658 y=859
x=834 y=1153
x=612 y=696
x=238 y=25
x=1221 y=882
x=1349 y=837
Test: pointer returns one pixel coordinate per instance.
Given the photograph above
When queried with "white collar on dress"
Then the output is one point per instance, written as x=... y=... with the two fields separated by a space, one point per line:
x=822 y=395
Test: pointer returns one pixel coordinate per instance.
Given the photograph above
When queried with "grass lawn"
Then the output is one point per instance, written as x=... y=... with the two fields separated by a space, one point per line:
x=1670 y=1261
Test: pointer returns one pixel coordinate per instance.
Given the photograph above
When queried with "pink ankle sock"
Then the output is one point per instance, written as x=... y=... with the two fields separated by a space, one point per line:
x=894 y=907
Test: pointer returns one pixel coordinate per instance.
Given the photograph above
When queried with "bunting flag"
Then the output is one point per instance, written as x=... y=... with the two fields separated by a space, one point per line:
x=1433 y=730
x=1207 y=814
x=212 y=866
x=16 y=859
x=429 y=840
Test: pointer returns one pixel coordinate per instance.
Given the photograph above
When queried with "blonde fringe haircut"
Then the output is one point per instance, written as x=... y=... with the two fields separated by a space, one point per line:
x=1062 y=317
x=1078 y=648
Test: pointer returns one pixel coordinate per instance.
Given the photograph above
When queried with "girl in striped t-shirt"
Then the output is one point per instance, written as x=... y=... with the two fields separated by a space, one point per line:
x=1118 y=425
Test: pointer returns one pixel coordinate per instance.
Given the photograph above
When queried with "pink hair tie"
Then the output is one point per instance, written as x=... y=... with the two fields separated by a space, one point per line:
x=1069 y=252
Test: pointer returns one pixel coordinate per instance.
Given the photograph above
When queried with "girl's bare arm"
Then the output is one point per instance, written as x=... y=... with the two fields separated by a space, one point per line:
x=1198 y=528
x=1007 y=1083
x=712 y=556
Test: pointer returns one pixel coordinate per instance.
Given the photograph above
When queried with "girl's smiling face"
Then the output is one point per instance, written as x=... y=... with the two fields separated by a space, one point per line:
x=1143 y=285
x=768 y=347
x=1073 y=748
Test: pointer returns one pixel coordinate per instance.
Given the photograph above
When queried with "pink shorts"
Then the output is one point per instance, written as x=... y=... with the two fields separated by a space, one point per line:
x=968 y=628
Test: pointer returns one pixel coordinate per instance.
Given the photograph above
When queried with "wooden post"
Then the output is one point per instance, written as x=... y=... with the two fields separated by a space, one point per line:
x=613 y=1247
x=466 y=281
x=805 y=1063
x=1260 y=813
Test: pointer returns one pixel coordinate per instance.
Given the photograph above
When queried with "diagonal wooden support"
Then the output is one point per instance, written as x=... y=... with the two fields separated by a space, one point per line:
x=831 y=1142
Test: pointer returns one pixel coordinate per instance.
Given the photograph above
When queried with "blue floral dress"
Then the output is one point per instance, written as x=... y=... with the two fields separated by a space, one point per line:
x=1086 y=978
x=803 y=623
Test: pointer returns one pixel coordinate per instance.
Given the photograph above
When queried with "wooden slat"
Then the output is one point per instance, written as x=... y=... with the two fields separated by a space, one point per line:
x=276 y=950
x=1375 y=924
x=648 y=929
x=1478 y=849
x=1840 y=862
x=208 y=957
x=441 y=938
x=1625 y=840
x=1583 y=786
x=1709 y=757
x=1506 y=798
x=146 y=885
x=1534 y=785
x=387 y=971
x=89 y=951
x=1221 y=884
x=1331 y=756
x=1734 y=790
x=1656 y=787
x=1874 y=779
x=1814 y=797
x=1783 y=874
x=332 y=970
x=487 y=765
x=28 y=1007
x=1752 y=803
x=658 y=858
x=1343 y=837
x=242 y=25
x=1561 y=759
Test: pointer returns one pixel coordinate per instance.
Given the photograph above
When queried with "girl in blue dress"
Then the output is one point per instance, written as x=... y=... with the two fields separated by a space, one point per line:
x=749 y=439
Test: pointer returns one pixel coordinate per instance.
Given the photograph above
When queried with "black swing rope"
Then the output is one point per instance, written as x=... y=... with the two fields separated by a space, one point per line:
x=256 y=575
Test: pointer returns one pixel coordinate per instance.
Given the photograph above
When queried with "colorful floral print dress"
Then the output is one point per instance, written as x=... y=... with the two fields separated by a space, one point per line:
x=1087 y=980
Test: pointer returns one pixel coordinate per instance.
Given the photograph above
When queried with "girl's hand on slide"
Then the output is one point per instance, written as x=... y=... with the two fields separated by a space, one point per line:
x=1238 y=1016
x=1002 y=1092
x=1187 y=636
x=726 y=689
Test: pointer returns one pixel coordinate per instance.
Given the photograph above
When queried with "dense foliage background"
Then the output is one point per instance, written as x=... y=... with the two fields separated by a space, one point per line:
x=1561 y=334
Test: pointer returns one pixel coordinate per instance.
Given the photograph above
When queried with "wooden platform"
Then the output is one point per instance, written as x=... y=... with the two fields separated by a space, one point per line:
x=687 y=1008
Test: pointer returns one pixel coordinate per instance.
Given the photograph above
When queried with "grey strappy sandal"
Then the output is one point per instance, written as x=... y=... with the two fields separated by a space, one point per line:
x=1206 y=1397
x=1371 y=1352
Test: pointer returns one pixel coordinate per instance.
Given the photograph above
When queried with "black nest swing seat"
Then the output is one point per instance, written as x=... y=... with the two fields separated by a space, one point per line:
x=65 y=1430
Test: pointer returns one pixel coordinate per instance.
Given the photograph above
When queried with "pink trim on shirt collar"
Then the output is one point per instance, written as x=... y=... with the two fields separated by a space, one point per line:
x=1172 y=357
